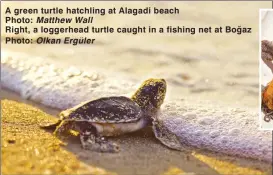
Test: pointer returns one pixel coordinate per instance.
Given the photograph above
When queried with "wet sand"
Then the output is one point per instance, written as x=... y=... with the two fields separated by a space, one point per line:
x=141 y=153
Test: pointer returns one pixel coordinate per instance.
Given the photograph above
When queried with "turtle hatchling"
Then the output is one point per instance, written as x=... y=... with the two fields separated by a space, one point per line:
x=116 y=115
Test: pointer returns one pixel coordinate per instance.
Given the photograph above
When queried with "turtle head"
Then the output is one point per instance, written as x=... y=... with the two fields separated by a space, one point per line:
x=151 y=94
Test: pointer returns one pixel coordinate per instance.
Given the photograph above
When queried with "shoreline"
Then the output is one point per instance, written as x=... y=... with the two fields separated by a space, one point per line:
x=141 y=148
x=64 y=88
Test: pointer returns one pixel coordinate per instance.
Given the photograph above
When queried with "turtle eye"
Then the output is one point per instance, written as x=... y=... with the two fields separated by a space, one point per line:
x=160 y=84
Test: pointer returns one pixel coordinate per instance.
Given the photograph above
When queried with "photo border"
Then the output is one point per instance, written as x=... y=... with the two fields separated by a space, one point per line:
x=260 y=70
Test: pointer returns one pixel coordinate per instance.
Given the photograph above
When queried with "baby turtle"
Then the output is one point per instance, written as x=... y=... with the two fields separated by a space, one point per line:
x=116 y=115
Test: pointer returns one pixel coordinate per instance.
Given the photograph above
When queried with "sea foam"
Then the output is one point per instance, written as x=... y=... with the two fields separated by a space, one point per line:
x=203 y=124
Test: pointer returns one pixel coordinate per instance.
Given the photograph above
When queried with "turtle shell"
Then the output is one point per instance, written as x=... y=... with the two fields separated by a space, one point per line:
x=105 y=110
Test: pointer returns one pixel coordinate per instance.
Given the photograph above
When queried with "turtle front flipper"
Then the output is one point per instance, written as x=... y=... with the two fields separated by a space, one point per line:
x=168 y=138
x=50 y=126
x=91 y=140
x=63 y=128
x=60 y=128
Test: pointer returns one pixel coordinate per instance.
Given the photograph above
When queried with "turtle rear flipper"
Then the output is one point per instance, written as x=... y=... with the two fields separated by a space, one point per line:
x=168 y=138
x=91 y=140
x=50 y=126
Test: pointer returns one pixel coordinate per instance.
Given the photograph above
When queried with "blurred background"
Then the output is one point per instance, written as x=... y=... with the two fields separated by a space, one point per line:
x=221 y=67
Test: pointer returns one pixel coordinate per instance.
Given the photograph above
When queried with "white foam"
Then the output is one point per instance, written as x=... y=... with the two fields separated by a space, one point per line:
x=58 y=87
x=203 y=124
x=232 y=131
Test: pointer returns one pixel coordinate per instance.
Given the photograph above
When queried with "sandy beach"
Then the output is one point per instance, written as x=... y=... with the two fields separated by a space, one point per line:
x=38 y=81
x=28 y=152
